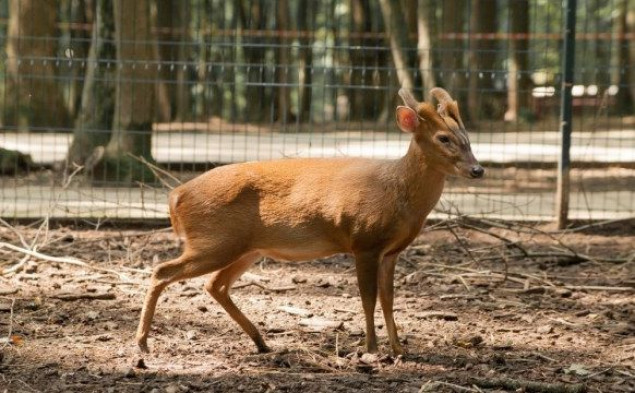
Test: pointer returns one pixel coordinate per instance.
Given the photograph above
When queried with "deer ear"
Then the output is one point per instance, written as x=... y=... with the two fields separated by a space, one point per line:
x=407 y=119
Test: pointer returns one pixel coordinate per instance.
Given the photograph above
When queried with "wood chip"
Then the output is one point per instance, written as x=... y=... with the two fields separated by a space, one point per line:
x=445 y=315
x=318 y=324
x=296 y=311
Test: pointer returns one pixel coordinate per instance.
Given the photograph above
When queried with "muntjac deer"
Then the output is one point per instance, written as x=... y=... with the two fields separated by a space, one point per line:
x=300 y=209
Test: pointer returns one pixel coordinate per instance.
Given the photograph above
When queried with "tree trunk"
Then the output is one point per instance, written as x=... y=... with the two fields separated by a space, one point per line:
x=452 y=57
x=398 y=36
x=282 y=97
x=630 y=25
x=134 y=105
x=252 y=17
x=483 y=21
x=173 y=19
x=425 y=16
x=94 y=123
x=364 y=103
x=33 y=97
x=81 y=12
x=306 y=25
x=518 y=80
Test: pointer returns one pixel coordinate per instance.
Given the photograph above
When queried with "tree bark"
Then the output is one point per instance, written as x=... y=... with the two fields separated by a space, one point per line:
x=306 y=24
x=452 y=58
x=252 y=17
x=518 y=80
x=134 y=105
x=483 y=21
x=173 y=18
x=630 y=25
x=398 y=37
x=33 y=98
x=282 y=96
x=424 y=43
x=94 y=123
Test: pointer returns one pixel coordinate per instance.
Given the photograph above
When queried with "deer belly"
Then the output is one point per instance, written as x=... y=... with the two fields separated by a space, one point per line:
x=302 y=251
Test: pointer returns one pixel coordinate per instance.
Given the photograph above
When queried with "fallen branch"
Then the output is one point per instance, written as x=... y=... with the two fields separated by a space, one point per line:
x=434 y=386
x=68 y=260
x=9 y=292
x=265 y=287
x=528 y=386
x=8 y=341
x=85 y=296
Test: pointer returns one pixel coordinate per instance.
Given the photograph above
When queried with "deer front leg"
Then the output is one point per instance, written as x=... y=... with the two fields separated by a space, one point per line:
x=366 y=265
x=386 y=298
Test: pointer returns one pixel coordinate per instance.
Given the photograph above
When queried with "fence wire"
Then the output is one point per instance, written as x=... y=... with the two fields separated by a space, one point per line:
x=104 y=108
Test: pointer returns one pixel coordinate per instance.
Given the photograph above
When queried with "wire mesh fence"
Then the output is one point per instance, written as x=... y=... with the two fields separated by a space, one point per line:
x=106 y=105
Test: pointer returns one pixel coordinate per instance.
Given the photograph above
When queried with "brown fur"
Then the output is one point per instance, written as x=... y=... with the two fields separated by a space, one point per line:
x=299 y=209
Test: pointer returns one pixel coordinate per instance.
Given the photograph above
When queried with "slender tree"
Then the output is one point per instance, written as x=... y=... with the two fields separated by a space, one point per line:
x=94 y=122
x=451 y=57
x=306 y=25
x=425 y=18
x=483 y=24
x=630 y=69
x=252 y=16
x=282 y=96
x=518 y=80
x=134 y=104
x=34 y=97
x=397 y=32
x=173 y=18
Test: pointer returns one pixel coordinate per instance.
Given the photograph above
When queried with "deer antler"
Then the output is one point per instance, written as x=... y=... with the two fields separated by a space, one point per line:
x=408 y=99
x=441 y=95
x=447 y=105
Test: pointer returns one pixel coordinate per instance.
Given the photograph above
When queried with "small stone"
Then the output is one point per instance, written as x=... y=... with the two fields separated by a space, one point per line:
x=544 y=329
x=173 y=388
x=299 y=280
x=130 y=373
x=92 y=315
x=369 y=358
x=111 y=326
x=191 y=335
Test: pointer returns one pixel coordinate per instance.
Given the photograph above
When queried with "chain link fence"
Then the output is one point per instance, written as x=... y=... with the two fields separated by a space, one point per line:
x=106 y=105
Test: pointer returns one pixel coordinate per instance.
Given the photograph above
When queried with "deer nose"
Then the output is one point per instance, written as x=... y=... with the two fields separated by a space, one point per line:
x=477 y=171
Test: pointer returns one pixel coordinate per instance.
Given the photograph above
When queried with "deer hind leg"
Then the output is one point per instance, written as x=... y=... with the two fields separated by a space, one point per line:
x=219 y=287
x=186 y=266
x=386 y=298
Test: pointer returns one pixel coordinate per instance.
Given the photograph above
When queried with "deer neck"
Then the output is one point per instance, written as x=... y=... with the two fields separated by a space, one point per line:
x=423 y=183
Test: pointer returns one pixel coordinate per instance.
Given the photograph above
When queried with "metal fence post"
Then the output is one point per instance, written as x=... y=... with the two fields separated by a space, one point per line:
x=564 y=162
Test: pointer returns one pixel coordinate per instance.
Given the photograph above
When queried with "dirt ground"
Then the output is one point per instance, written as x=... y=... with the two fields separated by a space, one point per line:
x=494 y=307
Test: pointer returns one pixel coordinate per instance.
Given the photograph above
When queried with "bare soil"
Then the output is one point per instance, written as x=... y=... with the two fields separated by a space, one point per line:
x=523 y=310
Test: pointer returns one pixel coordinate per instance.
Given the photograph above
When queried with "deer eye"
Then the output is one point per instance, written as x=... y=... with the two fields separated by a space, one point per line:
x=444 y=139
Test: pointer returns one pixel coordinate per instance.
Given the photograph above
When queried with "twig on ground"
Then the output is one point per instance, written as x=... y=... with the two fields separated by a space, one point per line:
x=16 y=267
x=265 y=287
x=9 y=292
x=433 y=386
x=68 y=260
x=510 y=243
x=10 y=324
x=85 y=296
x=462 y=243
x=15 y=231
x=529 y=386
